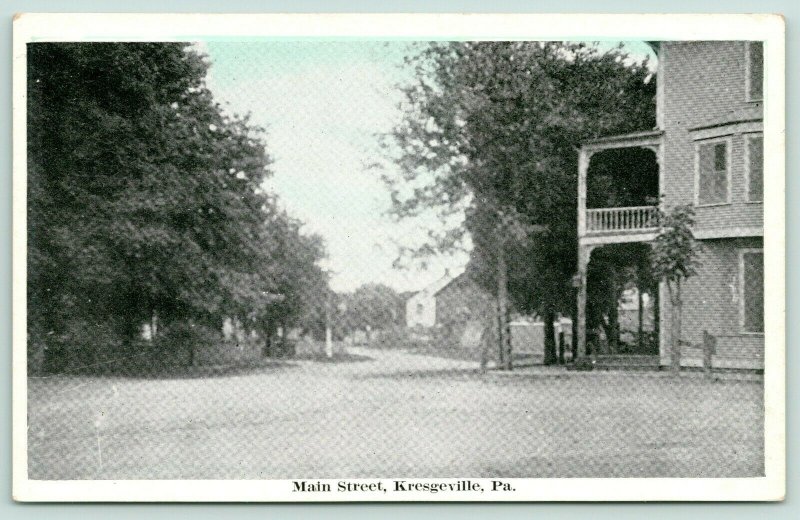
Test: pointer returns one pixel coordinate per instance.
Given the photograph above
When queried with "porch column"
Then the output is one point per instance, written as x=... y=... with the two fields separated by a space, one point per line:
x=584 y=254
x=583 y=168
x=584 y=157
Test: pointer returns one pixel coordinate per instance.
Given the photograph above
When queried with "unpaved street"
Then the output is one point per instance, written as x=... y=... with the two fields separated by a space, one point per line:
x=394 y=414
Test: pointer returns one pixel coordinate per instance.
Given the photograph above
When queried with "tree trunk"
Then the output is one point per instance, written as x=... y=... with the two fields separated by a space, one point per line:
x=657 y=320
x=504 y=336
x=575 y=331
x=613 y=317
x=153 y=325
x=550 y=354
x=640 y=332
x=675 y=297
x=574 y=344
x=328 y=332
x=487 y=343
x=269 y=334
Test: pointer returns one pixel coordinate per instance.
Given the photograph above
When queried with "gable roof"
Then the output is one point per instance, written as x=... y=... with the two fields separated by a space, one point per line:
x=458 y=278
x=434 y=287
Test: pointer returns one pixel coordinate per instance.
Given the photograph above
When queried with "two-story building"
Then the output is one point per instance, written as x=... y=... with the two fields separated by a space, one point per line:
x=707 y=151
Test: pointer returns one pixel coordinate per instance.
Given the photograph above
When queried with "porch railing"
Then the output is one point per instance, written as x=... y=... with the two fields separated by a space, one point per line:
x=636 y=218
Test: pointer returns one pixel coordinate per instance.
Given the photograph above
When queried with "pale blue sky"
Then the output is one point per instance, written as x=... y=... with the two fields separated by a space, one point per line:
x=322 y=104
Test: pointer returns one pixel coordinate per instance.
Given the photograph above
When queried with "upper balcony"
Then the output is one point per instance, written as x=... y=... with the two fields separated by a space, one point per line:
x=621 y=220
x=618 y=184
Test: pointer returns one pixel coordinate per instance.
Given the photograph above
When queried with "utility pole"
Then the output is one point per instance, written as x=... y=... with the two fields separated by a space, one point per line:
x=504 y=332
x=328 y=333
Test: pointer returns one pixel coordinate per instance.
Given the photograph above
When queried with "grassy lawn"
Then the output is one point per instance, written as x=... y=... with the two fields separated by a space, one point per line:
x=382 y=413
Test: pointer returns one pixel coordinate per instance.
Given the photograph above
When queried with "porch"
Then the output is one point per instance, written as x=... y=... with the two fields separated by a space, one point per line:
x=620 y=225
x=619 y=186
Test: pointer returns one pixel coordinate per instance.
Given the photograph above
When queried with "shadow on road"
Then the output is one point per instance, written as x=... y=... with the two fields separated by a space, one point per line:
x=520 y=375
x=336 y=358
x=453 y=373
x=155 y=371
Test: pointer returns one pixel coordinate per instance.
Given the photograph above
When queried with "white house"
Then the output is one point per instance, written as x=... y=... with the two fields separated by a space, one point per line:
x=421 y=307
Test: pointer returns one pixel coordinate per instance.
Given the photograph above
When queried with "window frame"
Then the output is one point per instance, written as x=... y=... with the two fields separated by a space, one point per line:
x=747 y=66
x=747 y=138
x=728 y=140
x=742 y=302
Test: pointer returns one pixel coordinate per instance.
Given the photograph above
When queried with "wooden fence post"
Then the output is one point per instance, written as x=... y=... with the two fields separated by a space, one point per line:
x=709 y=349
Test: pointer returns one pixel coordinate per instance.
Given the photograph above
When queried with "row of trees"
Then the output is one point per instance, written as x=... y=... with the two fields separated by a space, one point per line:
x=493 y=128
x=145 y=203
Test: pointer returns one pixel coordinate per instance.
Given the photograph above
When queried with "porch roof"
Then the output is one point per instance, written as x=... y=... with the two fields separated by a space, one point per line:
x=632 y=140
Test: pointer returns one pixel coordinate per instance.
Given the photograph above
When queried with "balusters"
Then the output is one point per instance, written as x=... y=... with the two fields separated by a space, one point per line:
x=621 y=219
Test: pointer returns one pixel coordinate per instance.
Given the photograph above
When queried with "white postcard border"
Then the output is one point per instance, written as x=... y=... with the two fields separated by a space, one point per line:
x=187 y=27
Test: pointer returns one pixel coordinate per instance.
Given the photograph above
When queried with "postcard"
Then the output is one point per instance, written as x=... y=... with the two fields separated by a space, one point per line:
x=398 y=257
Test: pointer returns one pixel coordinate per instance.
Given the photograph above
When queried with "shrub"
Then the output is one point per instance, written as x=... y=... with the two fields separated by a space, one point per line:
x=178 y=342
x=82 y=345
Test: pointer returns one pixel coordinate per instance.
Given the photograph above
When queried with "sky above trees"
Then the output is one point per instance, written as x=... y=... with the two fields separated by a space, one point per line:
x=323 y=105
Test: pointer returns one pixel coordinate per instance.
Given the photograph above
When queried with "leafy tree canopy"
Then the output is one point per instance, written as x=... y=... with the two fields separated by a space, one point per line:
x=492 y=129
x=373 y=306
x=145 y=196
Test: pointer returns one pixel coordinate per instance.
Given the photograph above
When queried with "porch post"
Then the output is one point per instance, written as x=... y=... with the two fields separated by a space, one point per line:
x=584 y=157
x=583 y=167
x=584 y=253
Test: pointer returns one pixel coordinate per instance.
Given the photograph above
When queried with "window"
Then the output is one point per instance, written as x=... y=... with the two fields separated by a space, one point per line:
x=751 y=271
x=755 y=71
x=754 y=162
x=713 y=173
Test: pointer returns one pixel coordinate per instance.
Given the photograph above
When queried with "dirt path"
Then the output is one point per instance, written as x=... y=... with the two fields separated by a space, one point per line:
x=393 y=414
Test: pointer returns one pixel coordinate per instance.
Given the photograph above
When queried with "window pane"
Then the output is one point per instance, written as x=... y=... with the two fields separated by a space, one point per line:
x=719 y=156
x=706 y=178
x=753 y=265
x=713 y=173
x=756 y=64
x=755 y=152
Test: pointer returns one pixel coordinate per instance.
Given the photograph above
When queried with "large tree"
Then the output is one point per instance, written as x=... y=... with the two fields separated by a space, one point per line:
x=304 y=295
x=144 y=198
x=494 y=127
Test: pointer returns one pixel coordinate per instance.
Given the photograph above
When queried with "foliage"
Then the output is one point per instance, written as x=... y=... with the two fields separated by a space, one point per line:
x=674 y=259
x=674 y=253
x=184 y=339
x=145 y=197
x=492 y=128
x=300 y=283
x=372 y=306
x=613 y=269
